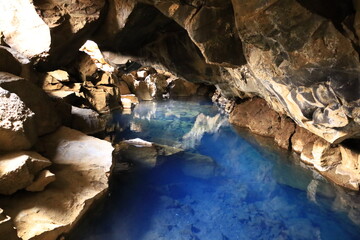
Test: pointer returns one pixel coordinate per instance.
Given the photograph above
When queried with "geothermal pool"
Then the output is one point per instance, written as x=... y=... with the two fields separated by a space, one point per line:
x=249 y=189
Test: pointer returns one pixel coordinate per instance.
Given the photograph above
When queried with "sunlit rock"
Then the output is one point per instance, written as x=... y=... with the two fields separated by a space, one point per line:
x=142 y=153
x=300 y=138
x=23 y=28
x=46 y=118
x=350 y=165
x=321 y=155
x=17 y=126
x=81 y=164
x=18 y=170
x=41 y=181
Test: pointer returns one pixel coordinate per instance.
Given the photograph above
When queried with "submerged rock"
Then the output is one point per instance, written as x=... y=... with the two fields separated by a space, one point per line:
x=197 y=165
x=142 y=153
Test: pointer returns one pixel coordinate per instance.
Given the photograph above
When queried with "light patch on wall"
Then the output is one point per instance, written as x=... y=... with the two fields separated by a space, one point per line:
x=92 y=49
x=23 y=29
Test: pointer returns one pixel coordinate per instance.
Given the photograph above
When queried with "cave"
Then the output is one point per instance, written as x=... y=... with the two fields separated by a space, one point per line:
x=179 y=119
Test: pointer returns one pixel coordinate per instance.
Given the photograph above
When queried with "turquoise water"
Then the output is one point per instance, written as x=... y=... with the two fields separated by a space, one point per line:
x=249 y=189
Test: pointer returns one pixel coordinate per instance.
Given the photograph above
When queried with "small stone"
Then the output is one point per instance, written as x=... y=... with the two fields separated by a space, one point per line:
x=42 y=180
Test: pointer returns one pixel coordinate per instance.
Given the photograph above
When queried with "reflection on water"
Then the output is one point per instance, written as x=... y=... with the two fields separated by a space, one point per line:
x=255 y=192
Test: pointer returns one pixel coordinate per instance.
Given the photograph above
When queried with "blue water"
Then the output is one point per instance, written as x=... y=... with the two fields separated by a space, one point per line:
x=249 y=190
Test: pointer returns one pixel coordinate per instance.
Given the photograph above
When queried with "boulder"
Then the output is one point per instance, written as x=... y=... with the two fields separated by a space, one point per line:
x=124 y=88
x=18 y=169
x=87 y=120
x=41 y=181
x=81 y=164
x=101 y=100
x=17 y=125
x=23 y=29
x=142 y=153
x=142 y=91
x=46 y=119
x=256 y=115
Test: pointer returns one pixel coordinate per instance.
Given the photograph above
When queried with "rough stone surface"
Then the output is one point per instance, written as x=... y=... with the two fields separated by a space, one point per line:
x=350 y=165
x=81 y=164
x=17 y=126
x=86 y=120
x=338 y=163
x=17 y=170
x=142 y=153
x=98 y=86
x=41 y=181
x=182 y=88
x=256 y=115
x=70 y=24
x=303 y=61
x=23 y=29
x=45 y=117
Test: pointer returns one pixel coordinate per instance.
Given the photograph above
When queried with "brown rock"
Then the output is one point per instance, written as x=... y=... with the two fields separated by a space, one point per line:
x=350 y=165
x=143 y=153
x=284 y=132
x=46 y=119
x=41 y=181
x=17 y=170
x=101 y=100
x=69 y=28
x=142 y=91
x=86 y=120
x=124 y=88
x=17 y=128
x=23 y=28
x=182 y=88
x=321 y=154
x=81 y=164
x=257 y=116
x=301 y=138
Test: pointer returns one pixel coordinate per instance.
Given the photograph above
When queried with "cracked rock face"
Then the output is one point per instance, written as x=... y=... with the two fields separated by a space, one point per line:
x=300 y=58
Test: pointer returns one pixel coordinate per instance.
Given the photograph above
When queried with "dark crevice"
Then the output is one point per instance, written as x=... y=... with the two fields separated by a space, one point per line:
x=291 y=136
x=334 y=10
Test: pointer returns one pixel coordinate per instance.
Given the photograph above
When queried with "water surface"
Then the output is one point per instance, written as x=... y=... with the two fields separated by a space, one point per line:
x=249 y=190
